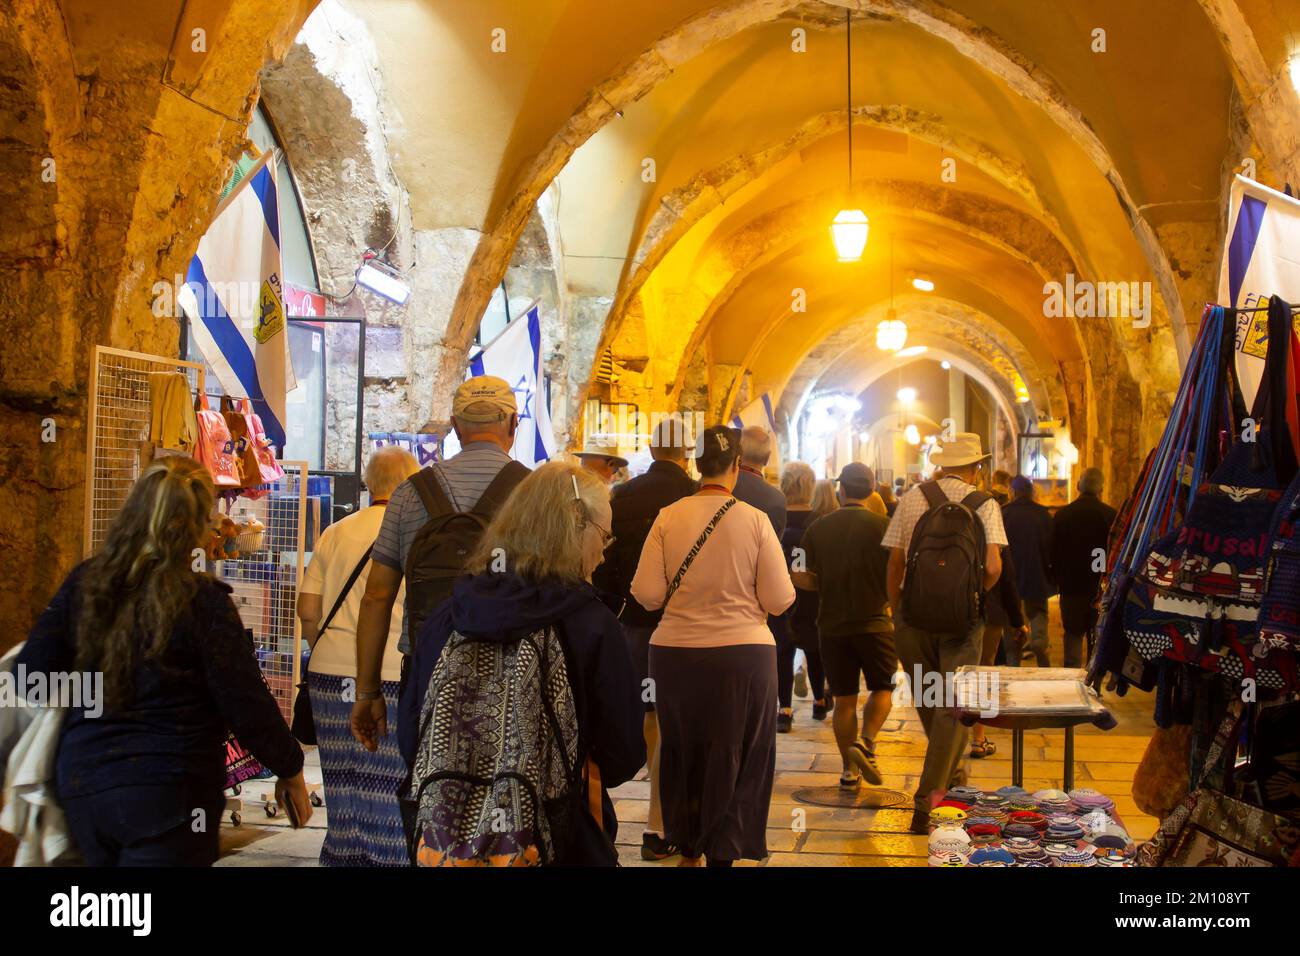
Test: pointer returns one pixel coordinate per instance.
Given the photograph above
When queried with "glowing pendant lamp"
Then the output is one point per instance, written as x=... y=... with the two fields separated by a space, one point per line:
x=850 y=226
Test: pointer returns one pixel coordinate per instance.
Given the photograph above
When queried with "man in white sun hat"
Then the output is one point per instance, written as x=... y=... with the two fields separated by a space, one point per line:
x=943 y=542
x=601 y=458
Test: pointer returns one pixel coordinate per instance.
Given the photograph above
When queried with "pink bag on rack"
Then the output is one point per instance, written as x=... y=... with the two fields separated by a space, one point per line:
x=215 y=449
x=271 y=470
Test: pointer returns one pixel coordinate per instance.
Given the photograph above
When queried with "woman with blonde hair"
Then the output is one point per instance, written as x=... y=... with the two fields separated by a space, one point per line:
x=530 y=576
x=824 y=499
x=178 y=671
x=799 y=485
x=364 y=821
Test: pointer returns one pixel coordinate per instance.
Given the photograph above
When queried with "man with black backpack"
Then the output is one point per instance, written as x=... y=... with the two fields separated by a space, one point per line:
x=433 y=522
x=943 y=542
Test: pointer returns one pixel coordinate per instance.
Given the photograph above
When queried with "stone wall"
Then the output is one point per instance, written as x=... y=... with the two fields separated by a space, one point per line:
x=108 y=178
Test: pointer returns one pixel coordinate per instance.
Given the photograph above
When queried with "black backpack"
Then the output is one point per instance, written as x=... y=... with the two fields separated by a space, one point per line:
x=438 y=553
x=945 y=564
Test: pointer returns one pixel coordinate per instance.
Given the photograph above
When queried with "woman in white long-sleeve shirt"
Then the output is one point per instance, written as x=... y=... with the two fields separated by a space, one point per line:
x=716 y=567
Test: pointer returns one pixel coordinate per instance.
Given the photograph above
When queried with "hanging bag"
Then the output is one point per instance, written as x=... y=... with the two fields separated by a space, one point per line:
x=241 y=443
x=269 y=469
x=1197 y=597
x=215 y=448
x=1211 y=828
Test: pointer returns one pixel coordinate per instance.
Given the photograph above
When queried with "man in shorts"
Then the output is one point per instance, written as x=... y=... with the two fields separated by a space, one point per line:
x=846 y=564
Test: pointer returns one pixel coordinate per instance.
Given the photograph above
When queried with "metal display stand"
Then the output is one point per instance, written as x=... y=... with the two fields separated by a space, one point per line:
x=118 y=429
x=1032 y=698
x=265 y=578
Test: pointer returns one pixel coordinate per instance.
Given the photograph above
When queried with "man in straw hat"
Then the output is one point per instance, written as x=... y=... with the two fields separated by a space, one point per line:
x=601 y=458
x=928 y=655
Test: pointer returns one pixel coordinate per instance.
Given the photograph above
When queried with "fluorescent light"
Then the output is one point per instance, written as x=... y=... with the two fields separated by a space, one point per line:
x=906 y=395
x=382 y=279
x=849 y=233
x=922 y=285
x=912 y=350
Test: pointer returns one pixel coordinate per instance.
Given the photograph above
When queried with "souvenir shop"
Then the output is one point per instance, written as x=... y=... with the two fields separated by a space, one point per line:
x=1201 y=610
x=271 y=508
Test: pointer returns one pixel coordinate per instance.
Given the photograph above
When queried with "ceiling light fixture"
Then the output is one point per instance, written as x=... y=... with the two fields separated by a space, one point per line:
x=922 y=285
x=946 y=365
x=912 y=434
x=1295 y=71
x=850 y=226
x=891 y=334
x=906 y=395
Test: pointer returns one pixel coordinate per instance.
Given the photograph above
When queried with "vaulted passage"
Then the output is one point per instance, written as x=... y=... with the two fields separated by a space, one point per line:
x=1045 y=190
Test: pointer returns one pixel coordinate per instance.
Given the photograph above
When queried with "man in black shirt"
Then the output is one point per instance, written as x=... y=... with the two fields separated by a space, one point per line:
x=635 y=506
x=847 y=566
x=1079 y=535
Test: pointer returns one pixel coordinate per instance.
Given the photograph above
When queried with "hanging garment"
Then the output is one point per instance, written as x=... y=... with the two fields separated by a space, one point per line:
x=172 y=422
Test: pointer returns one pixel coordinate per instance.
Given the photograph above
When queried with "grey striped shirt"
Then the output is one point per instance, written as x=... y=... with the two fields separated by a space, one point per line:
x=464 y=477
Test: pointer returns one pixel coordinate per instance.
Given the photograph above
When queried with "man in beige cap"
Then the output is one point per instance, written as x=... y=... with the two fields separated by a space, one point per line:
x=944 y=536
x=602 y=459
x=434 y=512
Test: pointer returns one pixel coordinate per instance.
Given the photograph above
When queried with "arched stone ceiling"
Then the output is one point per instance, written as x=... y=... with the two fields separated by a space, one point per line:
x=784 y=369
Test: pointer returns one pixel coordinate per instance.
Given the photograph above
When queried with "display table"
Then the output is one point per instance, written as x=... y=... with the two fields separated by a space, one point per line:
x=1029 y=698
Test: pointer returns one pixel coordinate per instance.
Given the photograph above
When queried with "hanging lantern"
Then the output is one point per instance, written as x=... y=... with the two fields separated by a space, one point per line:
x=891 y=334
x=849 y=233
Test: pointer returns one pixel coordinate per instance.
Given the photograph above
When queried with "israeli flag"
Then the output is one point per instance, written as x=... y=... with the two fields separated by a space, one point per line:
x=516 y=356
x=235 y=302
x=1261 y=259
x=757 y=412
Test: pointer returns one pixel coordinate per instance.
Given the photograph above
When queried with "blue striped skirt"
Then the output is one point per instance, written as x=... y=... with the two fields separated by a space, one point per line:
x=364 y=821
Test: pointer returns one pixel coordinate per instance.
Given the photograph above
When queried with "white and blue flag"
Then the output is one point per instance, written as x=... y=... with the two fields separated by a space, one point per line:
x=516 y=356
x=1261 y=259
x=757 y=412
x=235 y=302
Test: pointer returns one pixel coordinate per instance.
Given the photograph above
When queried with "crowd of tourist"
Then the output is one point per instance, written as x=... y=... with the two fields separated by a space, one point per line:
x=534 y=638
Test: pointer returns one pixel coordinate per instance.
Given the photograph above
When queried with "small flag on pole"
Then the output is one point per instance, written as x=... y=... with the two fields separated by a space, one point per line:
x=234 y=298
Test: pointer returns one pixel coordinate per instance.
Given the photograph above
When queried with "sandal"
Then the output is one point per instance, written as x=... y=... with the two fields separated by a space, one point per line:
x=983 y=748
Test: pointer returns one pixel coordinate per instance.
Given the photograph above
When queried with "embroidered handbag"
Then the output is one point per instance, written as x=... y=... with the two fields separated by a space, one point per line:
x=1211 y=828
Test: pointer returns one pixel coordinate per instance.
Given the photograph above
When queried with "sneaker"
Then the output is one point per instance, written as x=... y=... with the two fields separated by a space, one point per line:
x=655 y=847
x=821 y=708
x=864 y=759
x=801 y=682
x=920 y=822
x=784 y=722
x=850 y=781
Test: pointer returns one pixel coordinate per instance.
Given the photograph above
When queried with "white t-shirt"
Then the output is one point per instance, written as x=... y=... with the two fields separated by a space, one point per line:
x=337 y=552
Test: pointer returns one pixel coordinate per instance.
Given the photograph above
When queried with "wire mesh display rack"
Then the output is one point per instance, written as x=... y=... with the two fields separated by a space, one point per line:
x=265 y=578
x=117 y=436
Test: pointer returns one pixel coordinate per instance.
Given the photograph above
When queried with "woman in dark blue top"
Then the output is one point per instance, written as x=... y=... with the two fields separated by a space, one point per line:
x=551 y=534
x=141 y=767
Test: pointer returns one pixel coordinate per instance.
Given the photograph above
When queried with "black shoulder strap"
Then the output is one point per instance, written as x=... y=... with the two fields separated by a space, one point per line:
x=346 y=590
x=676 y=582
x=429 y=488
x=933 y=493
x=495 y=494
x=975 y=500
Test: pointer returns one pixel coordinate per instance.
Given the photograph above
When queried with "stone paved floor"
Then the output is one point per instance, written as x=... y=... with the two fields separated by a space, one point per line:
x=817 y=836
